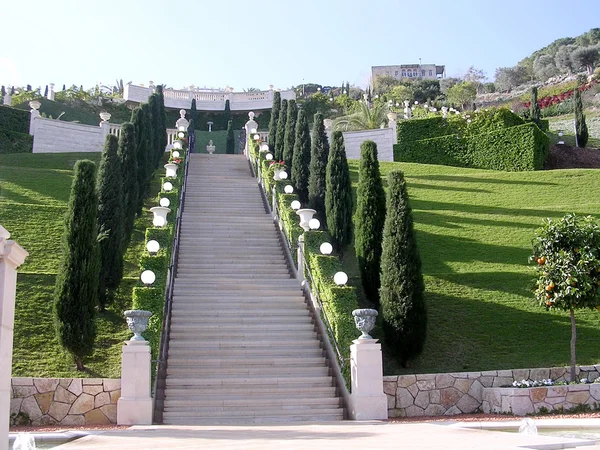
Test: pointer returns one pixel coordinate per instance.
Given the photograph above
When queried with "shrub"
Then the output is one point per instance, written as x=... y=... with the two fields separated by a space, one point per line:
x=76 y=290
x=15 y=120
x=300 y=164
x=418 y=129
x=369 y=219
x=230 y=144
x=401 y=294
x=274 y=120
x=318 y=167
x=581 y=130
x=151 y=299
x=280 y=133
x=534 y=108
x=13 y=142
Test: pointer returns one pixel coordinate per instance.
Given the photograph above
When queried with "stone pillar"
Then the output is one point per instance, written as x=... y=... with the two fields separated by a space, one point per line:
x=367 y=401
x=249 y=127
x=12 y=256
x=182 y=123
x=135 y=405
x=7 y=98
x=300 y=275
x=328 y=123
x=392 y=121
x=50 y=95
x=33 y=114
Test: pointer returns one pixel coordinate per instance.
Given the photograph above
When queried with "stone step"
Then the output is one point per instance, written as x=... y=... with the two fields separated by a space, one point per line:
x=223 y=315
x=247 y=353
x=229 y=342
x=268 y=302
x=198 y=370
x=249 y=400
x=252 y=308
x=241 y=381
x=225 y=257
x=298 y=391
x=235 y=361
x=234 y=267
x=251 y=318
x=242 y=407
x=199 y=332
x=174 y=418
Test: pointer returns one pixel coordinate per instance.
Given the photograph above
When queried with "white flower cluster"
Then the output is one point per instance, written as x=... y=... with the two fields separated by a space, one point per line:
x=529 y=383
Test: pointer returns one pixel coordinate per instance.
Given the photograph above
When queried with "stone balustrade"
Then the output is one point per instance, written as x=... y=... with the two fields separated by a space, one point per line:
x=64 y=401
x=463 y=392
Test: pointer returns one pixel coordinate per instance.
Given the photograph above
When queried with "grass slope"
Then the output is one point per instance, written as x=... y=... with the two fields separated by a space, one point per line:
x=219 y=139
x=474 y=230
x=34 y=191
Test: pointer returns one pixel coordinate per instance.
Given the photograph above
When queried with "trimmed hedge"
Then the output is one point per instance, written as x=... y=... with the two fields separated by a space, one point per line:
x=515 y=149
x=427 y=128
x=15 y=120
x=151 y=299
x=14 y=142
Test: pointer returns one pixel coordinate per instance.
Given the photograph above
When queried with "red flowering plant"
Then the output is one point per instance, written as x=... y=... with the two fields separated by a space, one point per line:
x=279 y=165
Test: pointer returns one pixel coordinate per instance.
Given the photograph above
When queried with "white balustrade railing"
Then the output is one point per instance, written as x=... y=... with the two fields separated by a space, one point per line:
x=114 y=129
x=171 y=138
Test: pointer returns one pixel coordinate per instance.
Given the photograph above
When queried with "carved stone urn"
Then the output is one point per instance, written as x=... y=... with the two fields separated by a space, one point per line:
x=137 y=321
x=364 y=319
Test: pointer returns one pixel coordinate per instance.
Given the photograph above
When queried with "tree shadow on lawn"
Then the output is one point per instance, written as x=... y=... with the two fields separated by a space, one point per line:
x=452 y=221
x=516 y=283
x=468 y=179
x=470 y=335
x=438 y=187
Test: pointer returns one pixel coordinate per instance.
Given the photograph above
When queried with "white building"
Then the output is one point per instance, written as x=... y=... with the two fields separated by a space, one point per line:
x=422 y=71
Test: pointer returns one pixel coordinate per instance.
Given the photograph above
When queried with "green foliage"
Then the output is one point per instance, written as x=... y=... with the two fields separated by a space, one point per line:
x=518 y=148
x=110 y=221
x=280 y=134
x=534 y=107
x=580 y=125
x=154 y=131
x=274 y=121
x=366 y=118
x=76 y=290
x=369 y=220
x=301 y=161
x=161 y=123
x=163 y=235
x=290 y=134
x=151 y=299
x=318 y=102
x=427 y=128
x=13 y=142
x=15 y=120
x=193 y=125
x=230 y=144
x=462 y=94
x=401 y=294
x=227 y=111
x=318 y=167
x=130 y=189
x=338 y=195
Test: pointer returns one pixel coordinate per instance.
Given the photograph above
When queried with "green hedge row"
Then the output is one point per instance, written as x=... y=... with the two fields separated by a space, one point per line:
x=12 y=119
x=515 y=149
x=14 y=142
x=219 y=119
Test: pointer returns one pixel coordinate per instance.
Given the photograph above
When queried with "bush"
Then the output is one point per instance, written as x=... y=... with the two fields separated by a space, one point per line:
x=514 y=149
x=14 y=142
x=581 y=130
x=15 y=120
x=151 y=299
x=418 y=129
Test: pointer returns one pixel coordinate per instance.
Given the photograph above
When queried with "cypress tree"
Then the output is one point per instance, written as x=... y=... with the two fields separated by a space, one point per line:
x=581 y=130
x=290 y=134
x=301 y=161
x=138 y=118
x=130 y=190
x=319 y=155
x=402 y=303
x=230 y=144
x=46 y=91
x=12 y=90
x=338 y=195
x=154 y=107
x=193 y=114
x=534 y=108
x=274 y=119
x=110 y=221
x=64 y=87
x=227 y=114
x=369 y=220
x=162 y=122
x=280 y=134
x=76 y=289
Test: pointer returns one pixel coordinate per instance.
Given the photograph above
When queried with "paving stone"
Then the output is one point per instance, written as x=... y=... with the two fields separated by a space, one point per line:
x=31 y=408
x=473 y=375
x=64 y=396
x=443 y=380
x=22 y=381
x=414 y=411
x=413 y=389
x=23 y=391
x=101 y=399
x=391 y=401
x=76 y=386
x=539 y=374
x=487 y=381
x=502 y=381
x=435 y=397
x=538 y=394
x=557 y=372
x=452 y=411
x=96 y=417
x=389 y=387
x=45 y=420
x=59 y=410
x=110 y=411
x=538 y=406
x=519 y=406
x=391 y=378
x=15 y=405
x=468 y=404
x=505 y=373
x=434 y=410
x=422 y=399
x=476 y=390
x=45 y=384
x=463 y=385
x=521 y=374
x=406 y=380
x=557 y=391
x=65 y=382
x=489 y=373
x=73 y=419
x=426 y=383
x=578 y=397
x=449 y=396
x=44 y=400
x=404 y=398
x=493 y=397
x=595 y=391
x=93 y=389
x=554 y=400
x=111 y=384
x=89 y=381
x=115 y=395
x=83 y=404
x=396 y=413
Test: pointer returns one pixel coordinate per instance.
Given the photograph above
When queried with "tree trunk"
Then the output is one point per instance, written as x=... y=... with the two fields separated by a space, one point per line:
x=573 y=341
x=79 y=364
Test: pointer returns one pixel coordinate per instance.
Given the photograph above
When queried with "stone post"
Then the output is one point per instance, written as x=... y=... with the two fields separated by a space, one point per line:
x=50 y=95
x=301 y=258
x=104 y=127
x=249 y=126
x=33 y=114
x=7 y=98
x=134 y=407
x=367 y=400
x=182 y=123
x=392 y=121
x=12 y=255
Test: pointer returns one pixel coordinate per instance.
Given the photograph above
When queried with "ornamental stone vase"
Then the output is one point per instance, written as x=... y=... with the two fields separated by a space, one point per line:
x=276 y=174
x=364 y=320
x=305 y=215
x=171 y=169
x=137 y=321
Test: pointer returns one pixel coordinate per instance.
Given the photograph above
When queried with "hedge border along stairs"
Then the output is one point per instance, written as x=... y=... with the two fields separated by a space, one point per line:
x=14 y=131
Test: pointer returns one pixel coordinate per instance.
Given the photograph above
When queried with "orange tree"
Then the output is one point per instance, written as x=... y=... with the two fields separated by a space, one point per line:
x=567 y=257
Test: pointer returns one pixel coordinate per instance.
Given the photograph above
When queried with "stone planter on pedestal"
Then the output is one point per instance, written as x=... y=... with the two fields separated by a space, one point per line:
x=137 y=321
x=365 y=321
x=160 y=215
x=171 y=170
x=305 y=215
x=210 y=148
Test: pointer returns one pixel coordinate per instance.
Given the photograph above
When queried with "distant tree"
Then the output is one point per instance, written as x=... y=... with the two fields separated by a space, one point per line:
x=401 y=93
x=581 y=130
x=194 y=115
x=424 y=90
x=64 y=87
x=338 y=195
x=318 y=102
x=462 y=94
x=592 y=37
x=3 y=91
x=110 y=221
x=564 y=59
x=475 y=76
x=544 y=67
x=28 y=88
x=280 y=131
x=12 y=90
x=301 y=158
x=510 y=77
x=586 y=57
x=274 y=119
x=365 y=118
x=230 y=144
x=402 y=303
x=369 y=219
x=319 y=156
x=227 y=114
x=130 y=190
x=161 y=135
x=290 y=134
x=534 y=107
x=46 y=91
x=383 y=84
x=76 y=289
x=157 y=122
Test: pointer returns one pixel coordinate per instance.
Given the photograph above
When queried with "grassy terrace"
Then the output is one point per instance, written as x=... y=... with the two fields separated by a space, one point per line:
x=474 y=230
x=34 y=191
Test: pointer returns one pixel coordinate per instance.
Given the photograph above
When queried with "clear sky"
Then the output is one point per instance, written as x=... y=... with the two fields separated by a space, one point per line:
x=243 y=44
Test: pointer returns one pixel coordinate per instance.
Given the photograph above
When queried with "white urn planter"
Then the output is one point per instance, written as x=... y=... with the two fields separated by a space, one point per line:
x=306 y=214
x=137 y=321
x=364 y=319
x=105 y=116
x=210 y=148
x=171 y=170
x=160 y=215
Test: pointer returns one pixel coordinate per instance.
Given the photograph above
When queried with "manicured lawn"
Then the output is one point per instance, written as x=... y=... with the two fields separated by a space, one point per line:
x=219 y=139
x=566 y=123
x=34 y=191
x=474 y=230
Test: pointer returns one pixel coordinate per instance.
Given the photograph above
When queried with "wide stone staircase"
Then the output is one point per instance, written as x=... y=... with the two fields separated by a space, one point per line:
x=243 y=347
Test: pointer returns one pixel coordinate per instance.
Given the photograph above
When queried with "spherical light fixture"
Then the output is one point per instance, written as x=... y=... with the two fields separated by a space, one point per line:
x=253 y=130
x=340 y=278
x=180 y=134
x=257 y=137
x=289 y=189
x=326 y=248
x=148 y=277
x=165 y=202
x=264 y=148
x=159 y=221
x=295 y=205
x=181 y=128
x=269 y=156
x=314 y=224
x=153 y=247
x=175 y=154
x=168 y=186
x=177 y=145
x=283 y=175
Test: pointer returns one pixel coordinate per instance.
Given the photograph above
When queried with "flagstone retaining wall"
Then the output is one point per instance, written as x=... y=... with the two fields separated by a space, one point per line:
x=64 y=401
x=449 y=394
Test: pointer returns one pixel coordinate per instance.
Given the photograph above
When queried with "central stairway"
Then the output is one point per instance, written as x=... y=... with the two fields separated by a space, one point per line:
x=243 y=347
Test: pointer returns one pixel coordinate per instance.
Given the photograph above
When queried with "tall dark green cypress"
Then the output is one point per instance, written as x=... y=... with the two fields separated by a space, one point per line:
x=319 y=156
x=301 y=161
x=227 y=114
x=155 y=131
x=280 y=135
x=290 y=134
x=274 y=119
x=76 y=289
x=110 y=221
x=534 y=108
x=230 y=143
x=338 y=195
x=581 y=130
x=369 y=220
x=162 y=123
x=403 y=306
x=130 y=190
x=138 y=118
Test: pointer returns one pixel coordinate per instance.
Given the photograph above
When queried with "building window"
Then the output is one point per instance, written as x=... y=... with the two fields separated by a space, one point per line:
x=396 y=73
x=422 y=73
x=431 y=73
x=404 y=73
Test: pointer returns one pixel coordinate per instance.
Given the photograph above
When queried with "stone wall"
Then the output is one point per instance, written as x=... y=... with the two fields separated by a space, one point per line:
x=64 y=401
x=461 y=393
x=58 y=136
